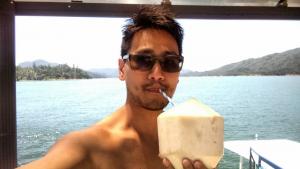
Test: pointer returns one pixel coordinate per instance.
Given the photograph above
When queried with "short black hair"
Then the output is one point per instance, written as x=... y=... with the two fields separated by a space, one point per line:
x=151 y=16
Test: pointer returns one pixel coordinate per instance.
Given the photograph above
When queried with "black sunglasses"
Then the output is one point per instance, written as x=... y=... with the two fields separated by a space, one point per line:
x=169 y=63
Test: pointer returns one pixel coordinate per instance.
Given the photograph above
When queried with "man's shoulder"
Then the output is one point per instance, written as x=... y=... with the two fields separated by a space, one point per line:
x=108 y=134
x=101 y=130
x=97 y=134
x=101 y=135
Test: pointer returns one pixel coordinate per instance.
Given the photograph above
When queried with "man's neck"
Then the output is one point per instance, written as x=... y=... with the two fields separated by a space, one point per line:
x=143 y=121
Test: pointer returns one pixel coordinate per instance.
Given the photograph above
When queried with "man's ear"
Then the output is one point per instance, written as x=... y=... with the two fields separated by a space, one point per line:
x=121 y=69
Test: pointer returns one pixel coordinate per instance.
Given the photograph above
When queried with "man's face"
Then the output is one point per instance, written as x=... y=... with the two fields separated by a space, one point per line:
x=143 y=86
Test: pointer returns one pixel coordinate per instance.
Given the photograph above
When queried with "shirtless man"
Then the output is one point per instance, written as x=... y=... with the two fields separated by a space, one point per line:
x=127 y=139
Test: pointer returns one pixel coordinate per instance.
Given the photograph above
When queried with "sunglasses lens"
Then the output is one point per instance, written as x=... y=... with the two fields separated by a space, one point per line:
x=142 y=62
x=172 y=64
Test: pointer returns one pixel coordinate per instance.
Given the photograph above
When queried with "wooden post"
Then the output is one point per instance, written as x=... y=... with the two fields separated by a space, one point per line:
x=8 y=148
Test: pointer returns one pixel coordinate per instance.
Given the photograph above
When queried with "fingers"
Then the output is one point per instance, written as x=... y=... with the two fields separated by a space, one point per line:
x=188 y=164
x=167 y=164
x=199 y=165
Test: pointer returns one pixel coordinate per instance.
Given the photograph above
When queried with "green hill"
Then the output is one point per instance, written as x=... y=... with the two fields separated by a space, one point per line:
x=47 y=72
x=285 y=63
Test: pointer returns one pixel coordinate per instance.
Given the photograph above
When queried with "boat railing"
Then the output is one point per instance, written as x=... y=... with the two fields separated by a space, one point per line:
x=256 y=161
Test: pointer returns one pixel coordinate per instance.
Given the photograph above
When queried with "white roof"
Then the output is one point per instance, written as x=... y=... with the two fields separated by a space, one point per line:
x=284 y=153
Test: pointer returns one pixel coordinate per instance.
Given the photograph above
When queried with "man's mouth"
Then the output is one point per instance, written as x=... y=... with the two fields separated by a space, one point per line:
x=153 y=90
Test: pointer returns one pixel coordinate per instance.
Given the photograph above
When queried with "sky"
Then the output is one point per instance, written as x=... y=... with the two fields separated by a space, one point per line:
x=94 y=42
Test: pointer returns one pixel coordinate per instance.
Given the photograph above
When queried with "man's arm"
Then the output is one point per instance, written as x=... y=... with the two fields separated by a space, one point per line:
x=69 y=152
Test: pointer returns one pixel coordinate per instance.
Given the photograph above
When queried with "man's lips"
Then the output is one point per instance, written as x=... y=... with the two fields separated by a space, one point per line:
x=153 y=90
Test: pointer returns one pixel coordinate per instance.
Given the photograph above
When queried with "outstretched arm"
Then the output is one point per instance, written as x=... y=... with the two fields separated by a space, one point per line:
x=67 y=153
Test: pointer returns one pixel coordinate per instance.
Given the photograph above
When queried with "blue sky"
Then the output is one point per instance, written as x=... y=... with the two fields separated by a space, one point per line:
x=95 y=42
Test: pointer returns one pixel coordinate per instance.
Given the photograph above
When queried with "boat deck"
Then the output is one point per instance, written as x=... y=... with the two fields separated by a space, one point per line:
x=282 y=152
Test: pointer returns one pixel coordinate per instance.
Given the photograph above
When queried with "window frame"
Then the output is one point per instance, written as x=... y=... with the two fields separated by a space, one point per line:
x=9 y=9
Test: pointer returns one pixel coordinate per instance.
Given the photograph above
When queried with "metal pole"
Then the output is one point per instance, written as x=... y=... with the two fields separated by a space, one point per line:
x=8 y=148
x=241 y=162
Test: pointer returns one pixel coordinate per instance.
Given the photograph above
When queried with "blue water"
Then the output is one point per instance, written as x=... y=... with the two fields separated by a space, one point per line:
x=266 y=105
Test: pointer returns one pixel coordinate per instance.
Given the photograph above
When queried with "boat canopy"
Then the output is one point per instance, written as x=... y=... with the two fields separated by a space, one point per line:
x=290 y=3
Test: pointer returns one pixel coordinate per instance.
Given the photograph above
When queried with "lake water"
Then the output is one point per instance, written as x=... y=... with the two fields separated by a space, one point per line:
x=266 y=105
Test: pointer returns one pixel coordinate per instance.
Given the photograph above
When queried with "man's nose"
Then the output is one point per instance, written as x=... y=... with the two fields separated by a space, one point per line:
x=156 y=73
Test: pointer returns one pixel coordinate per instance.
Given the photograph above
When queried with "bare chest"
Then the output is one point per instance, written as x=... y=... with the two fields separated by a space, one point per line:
x=129 y=155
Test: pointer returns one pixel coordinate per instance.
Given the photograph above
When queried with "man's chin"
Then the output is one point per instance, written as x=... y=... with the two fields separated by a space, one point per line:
x=153 y=108
x=155 y=105
x=149 y=101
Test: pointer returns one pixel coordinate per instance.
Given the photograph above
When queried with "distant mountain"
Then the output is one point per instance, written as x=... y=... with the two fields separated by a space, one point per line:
x=187 y=72
x=43 y=70
x=104 y=72
x=284 y=63
x=96 y=75
x=38 y=62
